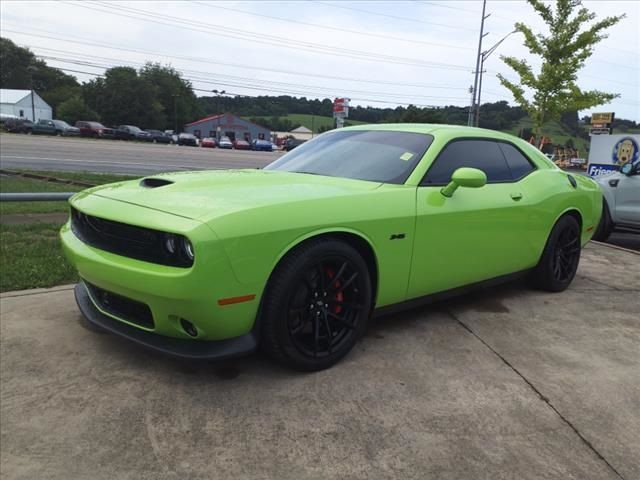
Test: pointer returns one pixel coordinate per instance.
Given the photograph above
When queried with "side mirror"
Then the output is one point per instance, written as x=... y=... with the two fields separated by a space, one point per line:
x=465 y=177
x=630 y=169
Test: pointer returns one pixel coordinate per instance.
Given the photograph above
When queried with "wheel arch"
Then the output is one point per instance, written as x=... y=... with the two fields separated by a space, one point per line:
x=353 y=238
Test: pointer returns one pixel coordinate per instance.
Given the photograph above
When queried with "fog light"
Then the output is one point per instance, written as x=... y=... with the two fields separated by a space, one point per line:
x=189 y=327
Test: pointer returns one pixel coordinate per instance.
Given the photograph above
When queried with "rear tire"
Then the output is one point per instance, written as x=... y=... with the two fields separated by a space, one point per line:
x=316 y=305
x=605 y=227
x=559 y=262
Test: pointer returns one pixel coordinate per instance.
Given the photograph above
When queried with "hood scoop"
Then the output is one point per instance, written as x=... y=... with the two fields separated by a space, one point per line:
x=155 y=182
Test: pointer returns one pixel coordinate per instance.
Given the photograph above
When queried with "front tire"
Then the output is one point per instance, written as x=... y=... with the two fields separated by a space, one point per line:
x=316 y=305
x=559 y=262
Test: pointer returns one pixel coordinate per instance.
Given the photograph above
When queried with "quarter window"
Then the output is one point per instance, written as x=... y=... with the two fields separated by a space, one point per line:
x=518 y=163
x=482 y=154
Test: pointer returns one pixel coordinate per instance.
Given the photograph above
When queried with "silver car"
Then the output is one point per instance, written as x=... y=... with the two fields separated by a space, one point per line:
x=621 y=204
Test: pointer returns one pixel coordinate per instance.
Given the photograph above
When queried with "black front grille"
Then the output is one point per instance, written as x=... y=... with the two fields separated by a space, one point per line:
x=126 y=240
x=121 y=307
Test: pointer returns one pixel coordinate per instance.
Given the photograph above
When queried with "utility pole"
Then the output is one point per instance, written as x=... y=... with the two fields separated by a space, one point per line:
x=477 y=71
x=218 y=94
x=175 y=114
x=33 y=105
x=484 y=55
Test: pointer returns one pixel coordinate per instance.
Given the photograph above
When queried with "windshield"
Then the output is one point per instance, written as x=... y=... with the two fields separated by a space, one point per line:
x=374 y=155
x=96 y=125
x=133 y=129
x=61 y=123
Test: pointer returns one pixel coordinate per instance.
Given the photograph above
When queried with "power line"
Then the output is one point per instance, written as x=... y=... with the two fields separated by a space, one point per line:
x=266 y=39
x=87 y=42
x=327 y=27
x=395 y=17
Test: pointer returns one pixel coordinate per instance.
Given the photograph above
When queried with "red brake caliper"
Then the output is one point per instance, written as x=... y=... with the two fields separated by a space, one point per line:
x=339 y=297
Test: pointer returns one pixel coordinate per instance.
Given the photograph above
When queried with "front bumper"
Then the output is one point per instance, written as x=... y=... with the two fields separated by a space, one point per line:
x=175 y=347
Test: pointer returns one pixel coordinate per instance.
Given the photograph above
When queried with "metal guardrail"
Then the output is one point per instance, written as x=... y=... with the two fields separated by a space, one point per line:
x=36 y=197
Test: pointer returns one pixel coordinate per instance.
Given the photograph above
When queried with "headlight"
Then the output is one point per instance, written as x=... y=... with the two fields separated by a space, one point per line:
x=187 y=248
x=170 y=243
x=178 y=247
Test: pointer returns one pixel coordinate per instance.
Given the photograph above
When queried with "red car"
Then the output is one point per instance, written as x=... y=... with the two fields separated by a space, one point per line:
x=94 y=129
x=208 y=142
x=241 y=145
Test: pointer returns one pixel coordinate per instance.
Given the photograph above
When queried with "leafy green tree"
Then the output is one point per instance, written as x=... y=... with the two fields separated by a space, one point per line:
x=551 y=92
x=74 y=109
x=20 y=67
x=124 y=97
x=174 y=95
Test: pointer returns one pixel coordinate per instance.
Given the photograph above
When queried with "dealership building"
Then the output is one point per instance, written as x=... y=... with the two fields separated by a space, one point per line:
x=23 y=104
x=229 y=125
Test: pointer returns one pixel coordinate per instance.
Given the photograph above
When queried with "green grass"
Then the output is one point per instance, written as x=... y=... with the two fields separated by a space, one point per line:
x=31 y=256
x=14 y=184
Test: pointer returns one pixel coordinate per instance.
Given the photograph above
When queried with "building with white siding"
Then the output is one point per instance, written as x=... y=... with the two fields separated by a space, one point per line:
x=18 y=103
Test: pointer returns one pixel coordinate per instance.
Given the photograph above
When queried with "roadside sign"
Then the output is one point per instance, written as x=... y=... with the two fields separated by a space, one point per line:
x=600 y=131
x=608 y=153
x=602 y=117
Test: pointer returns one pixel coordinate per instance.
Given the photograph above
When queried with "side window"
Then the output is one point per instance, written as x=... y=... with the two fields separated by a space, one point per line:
x=482 y=154
x=518 y=163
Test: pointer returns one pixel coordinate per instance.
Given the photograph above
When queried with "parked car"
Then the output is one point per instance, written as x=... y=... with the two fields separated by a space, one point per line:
x=160 y=137
x=187 y=139
x=621 y=204
x=18 y=125
x=262 y=145
x=294 y=258
x=292 y=143
x=225 y=142
x=66 y=130
x=7 y=116
x=208 y=142
x=43 y=127
x=94 y=129
x=241 y=145
x=131 y=132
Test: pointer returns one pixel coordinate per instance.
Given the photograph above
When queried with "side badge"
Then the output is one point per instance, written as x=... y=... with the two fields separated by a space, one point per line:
x=396 y=236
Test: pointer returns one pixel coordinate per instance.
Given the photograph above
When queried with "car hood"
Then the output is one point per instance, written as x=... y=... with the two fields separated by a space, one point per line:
x=207 y=195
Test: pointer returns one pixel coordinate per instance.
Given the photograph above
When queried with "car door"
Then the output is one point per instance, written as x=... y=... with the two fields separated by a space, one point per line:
x=627 y=194
x=477 y=233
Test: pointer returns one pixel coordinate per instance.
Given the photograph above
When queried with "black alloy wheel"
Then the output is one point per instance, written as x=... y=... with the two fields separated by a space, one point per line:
x=324 y=310
x=559 y=261
x=316 y=305
x=566 y=255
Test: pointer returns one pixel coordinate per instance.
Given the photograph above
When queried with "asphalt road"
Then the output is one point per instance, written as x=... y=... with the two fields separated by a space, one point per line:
x=507 y=383
x=110 y=156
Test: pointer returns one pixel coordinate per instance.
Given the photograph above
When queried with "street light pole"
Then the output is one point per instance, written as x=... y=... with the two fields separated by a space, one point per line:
x=477 y=71
x=486 y=54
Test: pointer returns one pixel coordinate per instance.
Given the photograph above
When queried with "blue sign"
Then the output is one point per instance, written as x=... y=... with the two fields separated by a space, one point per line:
x=598 y=169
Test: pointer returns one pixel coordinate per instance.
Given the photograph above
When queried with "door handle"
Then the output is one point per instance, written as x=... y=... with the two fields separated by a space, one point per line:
x=516 y=196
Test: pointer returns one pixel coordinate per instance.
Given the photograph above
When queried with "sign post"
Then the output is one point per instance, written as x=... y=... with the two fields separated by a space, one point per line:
x=340 y=111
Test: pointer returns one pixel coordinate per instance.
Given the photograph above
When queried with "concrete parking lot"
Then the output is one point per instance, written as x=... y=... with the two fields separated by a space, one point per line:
x=111 y=156
x=503 y=383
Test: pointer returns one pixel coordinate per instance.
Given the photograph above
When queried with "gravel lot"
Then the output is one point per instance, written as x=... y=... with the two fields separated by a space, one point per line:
x=504 y=383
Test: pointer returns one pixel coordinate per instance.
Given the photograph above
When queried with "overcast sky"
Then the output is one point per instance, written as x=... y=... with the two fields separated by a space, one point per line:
x=386 y=53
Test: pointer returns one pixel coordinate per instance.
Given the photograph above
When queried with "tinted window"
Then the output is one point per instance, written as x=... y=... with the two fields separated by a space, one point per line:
x=518 y=163
x=373 y=155
x=482 y=154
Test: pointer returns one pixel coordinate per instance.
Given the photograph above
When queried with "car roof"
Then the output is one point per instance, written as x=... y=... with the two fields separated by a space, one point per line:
x=434 y=129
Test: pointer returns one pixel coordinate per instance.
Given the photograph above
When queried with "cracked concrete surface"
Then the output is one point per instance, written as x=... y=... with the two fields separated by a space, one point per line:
x=523 y=385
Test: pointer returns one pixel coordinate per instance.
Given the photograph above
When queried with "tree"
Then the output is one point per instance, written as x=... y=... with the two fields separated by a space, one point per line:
x=22 y=70
x=74 y=109
x=547 y=95
x=124 y=97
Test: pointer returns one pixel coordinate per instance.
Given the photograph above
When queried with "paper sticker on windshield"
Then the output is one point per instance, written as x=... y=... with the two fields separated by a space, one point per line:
x=406 y=156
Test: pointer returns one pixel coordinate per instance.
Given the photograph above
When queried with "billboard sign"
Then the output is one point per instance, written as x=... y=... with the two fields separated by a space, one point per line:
x=602 y=117
x=610 y=152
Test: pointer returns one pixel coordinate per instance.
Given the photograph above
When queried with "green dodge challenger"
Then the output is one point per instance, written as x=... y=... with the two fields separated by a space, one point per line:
x=296 y=257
